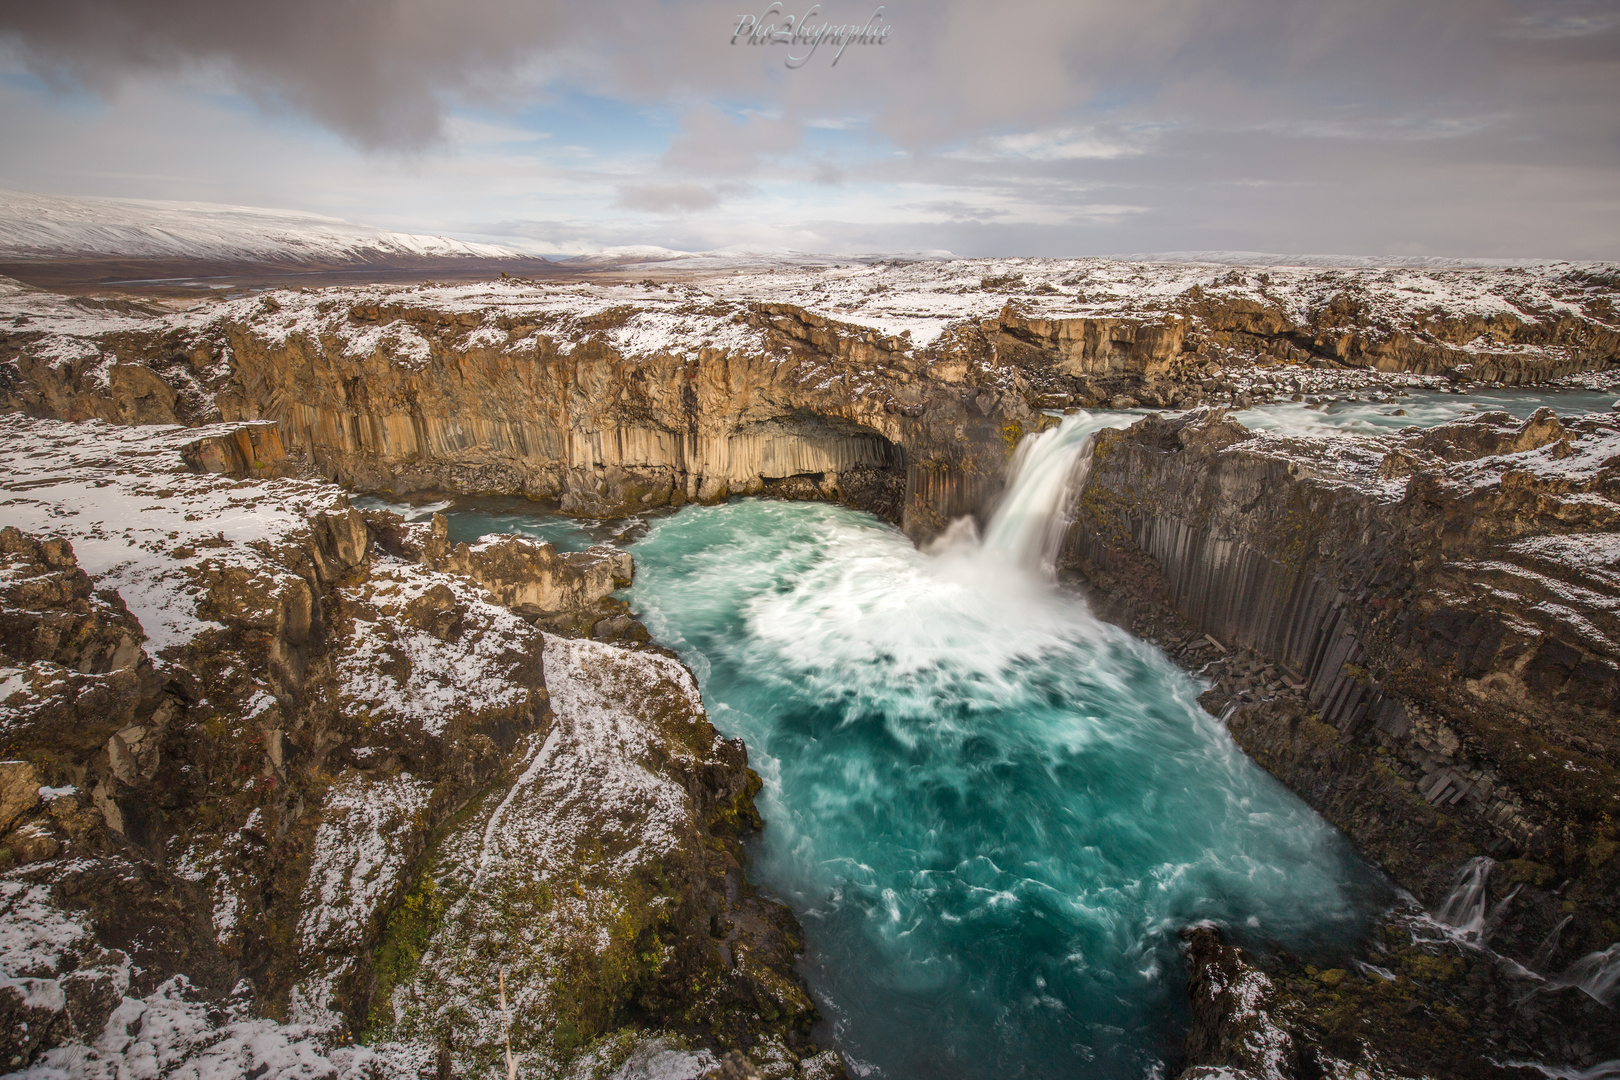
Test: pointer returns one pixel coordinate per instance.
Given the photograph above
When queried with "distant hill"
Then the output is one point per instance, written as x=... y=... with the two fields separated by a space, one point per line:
x=56 y=226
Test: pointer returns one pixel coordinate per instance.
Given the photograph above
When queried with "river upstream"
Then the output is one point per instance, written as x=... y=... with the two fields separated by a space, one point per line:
x=993 y=812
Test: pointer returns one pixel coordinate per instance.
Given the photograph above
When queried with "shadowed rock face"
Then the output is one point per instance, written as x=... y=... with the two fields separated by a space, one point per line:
x=1398 y=599
x=1423 y=1006
x=1426 y=654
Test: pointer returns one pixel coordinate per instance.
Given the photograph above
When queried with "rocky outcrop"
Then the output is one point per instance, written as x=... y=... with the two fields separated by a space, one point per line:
x=50 y=611
x=234 y=797
x=248 y=450
x=1415 y=632
x=568 y=592
x=1419 y=1005
x=645 y=908
x=1417 y=650
x=608 y=400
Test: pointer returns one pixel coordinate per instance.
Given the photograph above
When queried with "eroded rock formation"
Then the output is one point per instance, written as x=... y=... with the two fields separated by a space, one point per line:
x=611 y=399
x=318 y=778
x=268 y=795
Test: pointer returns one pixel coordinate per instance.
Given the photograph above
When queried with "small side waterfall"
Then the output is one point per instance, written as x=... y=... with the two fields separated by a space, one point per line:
x=1048 y=469
x=1464 y=907
x=1596 y=974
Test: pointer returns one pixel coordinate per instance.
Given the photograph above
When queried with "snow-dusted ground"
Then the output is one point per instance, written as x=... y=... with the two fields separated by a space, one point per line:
x=176 y=1034
x=590 y=810
x=925 y=297
x=59 y=226
x=441 y=679
x=141 y=523
x=915 y=301
x=1269 y=259
x=599 y=788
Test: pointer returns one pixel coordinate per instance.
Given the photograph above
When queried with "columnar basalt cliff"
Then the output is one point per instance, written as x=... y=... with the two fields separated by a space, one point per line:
x=1416 y=633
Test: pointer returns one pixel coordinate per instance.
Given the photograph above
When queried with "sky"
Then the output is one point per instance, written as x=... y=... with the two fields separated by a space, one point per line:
x=1466 y=128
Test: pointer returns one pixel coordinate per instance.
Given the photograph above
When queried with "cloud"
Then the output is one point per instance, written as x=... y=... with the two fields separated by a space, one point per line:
x=376 y=71
x=1565 y=21
x=467 y=131
x=1053 y=144
x=712 y=142
x=667 y=198
x=1058 y=126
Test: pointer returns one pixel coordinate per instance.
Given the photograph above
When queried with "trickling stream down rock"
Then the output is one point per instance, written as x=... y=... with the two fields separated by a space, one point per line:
x=273 y=753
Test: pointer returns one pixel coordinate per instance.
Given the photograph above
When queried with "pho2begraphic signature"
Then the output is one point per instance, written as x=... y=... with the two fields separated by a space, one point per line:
x=774 y=26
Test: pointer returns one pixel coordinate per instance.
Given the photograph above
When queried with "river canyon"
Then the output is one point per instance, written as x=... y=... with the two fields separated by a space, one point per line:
x=1028 y=667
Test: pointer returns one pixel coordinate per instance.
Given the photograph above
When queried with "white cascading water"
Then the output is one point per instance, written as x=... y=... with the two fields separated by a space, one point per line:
x=1597 y=974
x=1028 y=526
x=1549 y=944
x=992 y=811
x=1464 y=913
x=1464 y=908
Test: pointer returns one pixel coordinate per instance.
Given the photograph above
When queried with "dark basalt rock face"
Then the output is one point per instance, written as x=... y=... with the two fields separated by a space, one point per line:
x=1425 y=654
x=1420 y=1006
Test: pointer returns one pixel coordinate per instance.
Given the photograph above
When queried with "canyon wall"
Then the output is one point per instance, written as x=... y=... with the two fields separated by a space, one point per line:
x=278 y=774
x=608 y=400
x=1415 y=632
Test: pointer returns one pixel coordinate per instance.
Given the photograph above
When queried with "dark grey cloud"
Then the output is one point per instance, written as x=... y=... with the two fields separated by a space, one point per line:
x=377 y=71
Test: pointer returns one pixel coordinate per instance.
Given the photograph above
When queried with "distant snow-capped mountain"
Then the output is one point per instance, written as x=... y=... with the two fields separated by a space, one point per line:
x=54 y=226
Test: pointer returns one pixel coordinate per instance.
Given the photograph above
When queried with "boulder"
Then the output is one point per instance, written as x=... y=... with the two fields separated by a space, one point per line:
x=19 y=791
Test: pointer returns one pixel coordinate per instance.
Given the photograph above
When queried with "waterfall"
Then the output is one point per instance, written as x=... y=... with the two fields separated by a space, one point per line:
x=968 y=777
x=1464 y=908
x=1596 y=974
x=1048 y=469
x=1499 y=911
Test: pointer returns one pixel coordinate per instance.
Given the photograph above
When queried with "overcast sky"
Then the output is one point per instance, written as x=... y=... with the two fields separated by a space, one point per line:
x=1038 y=127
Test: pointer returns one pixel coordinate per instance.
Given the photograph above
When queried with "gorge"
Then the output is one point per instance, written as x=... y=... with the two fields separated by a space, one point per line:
x=1007 y=826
